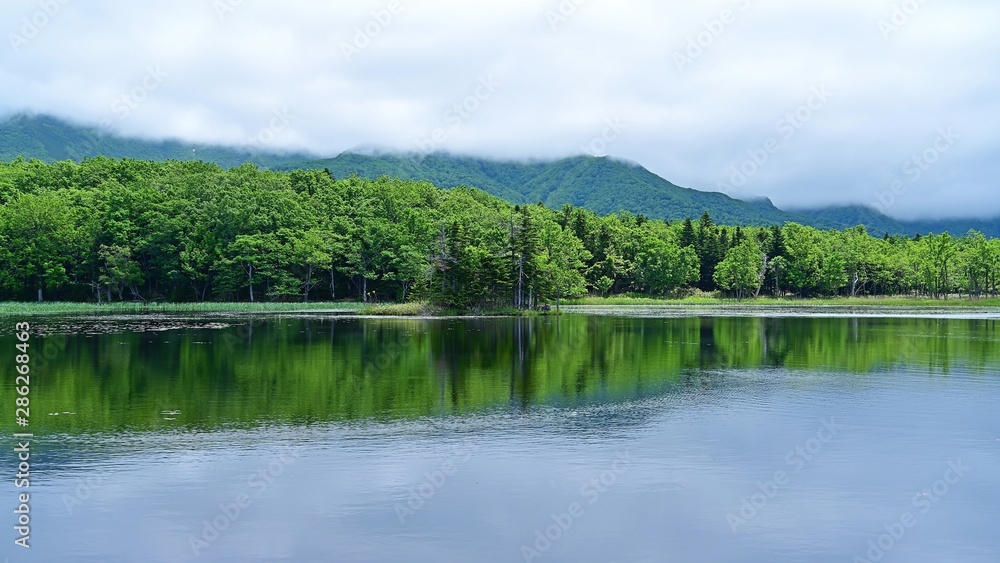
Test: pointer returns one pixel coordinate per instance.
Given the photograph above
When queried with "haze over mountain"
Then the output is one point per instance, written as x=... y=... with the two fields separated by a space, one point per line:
x=49 y=139
x=604 y=185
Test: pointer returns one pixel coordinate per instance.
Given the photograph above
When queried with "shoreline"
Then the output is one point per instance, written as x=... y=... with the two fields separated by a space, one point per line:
x=881 y=307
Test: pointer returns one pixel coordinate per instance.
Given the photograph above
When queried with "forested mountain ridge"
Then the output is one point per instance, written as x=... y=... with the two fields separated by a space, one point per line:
x=875 y=222
x=50 y=140
x=602 y=185
x=607 y=185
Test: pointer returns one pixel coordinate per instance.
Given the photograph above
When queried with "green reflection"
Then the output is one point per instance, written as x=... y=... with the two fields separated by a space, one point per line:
x=298 y=370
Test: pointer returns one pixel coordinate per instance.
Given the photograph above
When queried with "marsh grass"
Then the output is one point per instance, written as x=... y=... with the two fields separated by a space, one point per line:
x=60 y=308
x=907 y=302
x=421 y=309
x=415 y=309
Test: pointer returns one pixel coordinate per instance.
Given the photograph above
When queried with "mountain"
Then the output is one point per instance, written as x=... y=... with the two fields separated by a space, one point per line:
x=604 y=185
x=876 y=222
x=607 y=185
x=502 y=179
x=50 y=139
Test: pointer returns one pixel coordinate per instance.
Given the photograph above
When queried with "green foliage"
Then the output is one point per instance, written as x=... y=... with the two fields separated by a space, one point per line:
x=111 y=230
x=742 y=271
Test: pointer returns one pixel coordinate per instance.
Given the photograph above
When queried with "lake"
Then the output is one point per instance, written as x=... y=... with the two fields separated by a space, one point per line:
x=581 y=438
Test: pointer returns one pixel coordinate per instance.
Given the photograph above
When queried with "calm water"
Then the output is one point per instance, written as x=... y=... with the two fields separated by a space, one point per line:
x=576 y=439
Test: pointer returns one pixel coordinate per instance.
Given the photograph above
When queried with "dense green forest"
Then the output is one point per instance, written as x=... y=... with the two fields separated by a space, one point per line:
x=125 y=230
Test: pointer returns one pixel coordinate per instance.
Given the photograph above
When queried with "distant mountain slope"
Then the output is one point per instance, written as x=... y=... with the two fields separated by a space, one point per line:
x=607 y=185
x=502 y=179
x=50 y=139
x=877 y=223
x=604 y=185
x=849 y=216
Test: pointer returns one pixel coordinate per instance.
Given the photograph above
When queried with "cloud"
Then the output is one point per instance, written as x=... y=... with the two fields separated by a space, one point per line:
x=700 y=85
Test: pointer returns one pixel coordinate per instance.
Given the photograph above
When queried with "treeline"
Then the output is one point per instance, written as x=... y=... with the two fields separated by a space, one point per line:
x=127 y=230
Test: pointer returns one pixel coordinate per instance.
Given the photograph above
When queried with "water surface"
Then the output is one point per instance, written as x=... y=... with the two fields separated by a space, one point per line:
x=579 y=438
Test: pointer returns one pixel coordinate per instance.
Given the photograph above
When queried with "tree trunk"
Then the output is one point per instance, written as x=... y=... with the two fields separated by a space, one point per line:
x=333 y=286
x=308 y=286
x=520 y=284
x=761 y=278
x=39 y=295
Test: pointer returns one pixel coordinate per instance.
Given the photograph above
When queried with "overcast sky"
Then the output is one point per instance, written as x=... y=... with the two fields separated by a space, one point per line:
x=809 y=103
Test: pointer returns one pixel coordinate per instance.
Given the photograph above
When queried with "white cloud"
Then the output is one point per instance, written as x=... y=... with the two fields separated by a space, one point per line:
x=227 y=75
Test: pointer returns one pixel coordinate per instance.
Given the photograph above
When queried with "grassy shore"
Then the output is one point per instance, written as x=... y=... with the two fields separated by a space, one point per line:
x=10 y=309
x=59 y=308
x=901 y=302
x=398 y=310
x=15 y=309
x=429 y=310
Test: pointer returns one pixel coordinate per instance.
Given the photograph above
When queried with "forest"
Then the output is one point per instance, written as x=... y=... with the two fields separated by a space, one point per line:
x=130 y=230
